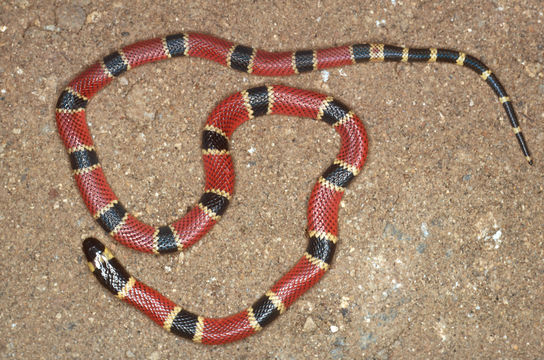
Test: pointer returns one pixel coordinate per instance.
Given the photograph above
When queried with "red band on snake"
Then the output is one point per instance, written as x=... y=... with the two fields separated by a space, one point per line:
x=218 y=166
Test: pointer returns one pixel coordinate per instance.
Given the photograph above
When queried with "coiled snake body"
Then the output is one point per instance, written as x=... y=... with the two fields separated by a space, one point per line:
x=219 y=172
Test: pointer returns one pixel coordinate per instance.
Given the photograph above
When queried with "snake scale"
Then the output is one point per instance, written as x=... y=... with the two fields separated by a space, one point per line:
x=322 y=228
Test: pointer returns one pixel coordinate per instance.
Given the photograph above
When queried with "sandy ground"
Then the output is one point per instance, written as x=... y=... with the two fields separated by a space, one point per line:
x=441 y=245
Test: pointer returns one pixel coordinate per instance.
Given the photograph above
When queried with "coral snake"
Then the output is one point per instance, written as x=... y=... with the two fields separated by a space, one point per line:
x=219 y=172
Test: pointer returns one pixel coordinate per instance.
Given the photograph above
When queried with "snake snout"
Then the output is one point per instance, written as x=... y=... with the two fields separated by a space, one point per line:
x=92 y=248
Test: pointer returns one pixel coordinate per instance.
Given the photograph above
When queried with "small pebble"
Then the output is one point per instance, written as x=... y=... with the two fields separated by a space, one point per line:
x=533 y=69
x=309 y=325
x=51 y=28
x=424 y=229
x=93 y=17
x=334 y=329
x=325 y=75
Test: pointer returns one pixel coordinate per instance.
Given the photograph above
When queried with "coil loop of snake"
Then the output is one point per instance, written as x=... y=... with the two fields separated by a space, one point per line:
x=219 y=172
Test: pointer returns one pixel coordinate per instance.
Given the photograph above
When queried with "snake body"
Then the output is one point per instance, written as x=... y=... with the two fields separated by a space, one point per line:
x=325 y=198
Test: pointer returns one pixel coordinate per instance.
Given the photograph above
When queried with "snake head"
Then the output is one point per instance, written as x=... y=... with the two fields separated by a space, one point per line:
x=105 y=266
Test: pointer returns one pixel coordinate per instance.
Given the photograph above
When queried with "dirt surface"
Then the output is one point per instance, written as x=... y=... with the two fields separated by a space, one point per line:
x=441 y=235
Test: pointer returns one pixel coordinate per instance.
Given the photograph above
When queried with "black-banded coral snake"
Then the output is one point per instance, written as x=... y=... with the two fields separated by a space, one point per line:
x=322 y=228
